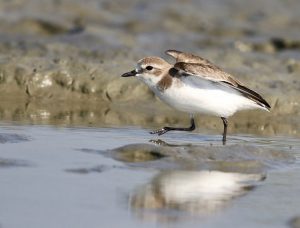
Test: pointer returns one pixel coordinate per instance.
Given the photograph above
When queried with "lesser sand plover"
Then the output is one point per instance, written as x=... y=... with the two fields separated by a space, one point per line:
x=195 y=85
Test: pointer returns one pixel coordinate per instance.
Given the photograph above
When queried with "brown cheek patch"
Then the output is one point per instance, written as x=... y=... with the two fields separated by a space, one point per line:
x=165 y=82
x=157 y=72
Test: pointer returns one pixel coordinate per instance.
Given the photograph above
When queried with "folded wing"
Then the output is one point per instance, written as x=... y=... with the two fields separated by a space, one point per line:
x=186 y=57
x=188 y=65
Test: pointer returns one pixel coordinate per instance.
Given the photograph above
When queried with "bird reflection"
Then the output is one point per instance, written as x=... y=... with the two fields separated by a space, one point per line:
x=172 y=194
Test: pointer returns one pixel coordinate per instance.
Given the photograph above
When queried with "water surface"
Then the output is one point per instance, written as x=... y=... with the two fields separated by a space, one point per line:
x=117 y=177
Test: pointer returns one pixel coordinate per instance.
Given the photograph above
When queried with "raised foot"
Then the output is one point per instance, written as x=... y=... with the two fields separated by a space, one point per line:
x=160 y=131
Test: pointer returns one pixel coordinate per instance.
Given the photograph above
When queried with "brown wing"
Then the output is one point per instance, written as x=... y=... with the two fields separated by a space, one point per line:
x=215 y=74
x=186 y=57
x=252 y=95
x=206 y=71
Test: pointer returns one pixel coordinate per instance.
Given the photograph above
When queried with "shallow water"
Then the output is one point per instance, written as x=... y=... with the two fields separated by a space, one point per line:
x=88 y=177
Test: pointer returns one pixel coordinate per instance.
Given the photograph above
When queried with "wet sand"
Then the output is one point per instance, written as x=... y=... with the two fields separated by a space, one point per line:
x=65 y=58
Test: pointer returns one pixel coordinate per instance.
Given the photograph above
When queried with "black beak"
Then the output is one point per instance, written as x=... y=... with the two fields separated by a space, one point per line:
x=129 y=74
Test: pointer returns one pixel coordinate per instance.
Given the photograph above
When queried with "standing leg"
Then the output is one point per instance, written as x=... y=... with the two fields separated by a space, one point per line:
x=166 y=129
x=225 y=122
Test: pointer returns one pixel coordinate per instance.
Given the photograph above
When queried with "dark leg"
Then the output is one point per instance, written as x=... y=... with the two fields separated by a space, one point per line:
x=166 y=129
x=225 y=122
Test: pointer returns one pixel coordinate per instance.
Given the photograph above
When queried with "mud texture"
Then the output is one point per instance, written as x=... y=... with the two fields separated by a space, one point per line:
x=61 y=61
x=295 y=222
x=233 y=158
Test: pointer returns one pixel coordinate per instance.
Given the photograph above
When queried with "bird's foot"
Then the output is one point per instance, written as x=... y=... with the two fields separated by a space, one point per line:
x=160 y=131
x=224 y=140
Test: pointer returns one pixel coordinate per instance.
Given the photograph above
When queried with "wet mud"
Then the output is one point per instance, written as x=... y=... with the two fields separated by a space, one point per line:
x=65 y=58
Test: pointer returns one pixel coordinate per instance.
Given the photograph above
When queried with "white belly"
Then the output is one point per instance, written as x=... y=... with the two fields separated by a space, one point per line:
x=211 y=100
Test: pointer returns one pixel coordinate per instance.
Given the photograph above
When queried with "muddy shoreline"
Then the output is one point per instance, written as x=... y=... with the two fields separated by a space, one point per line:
x=67 y=57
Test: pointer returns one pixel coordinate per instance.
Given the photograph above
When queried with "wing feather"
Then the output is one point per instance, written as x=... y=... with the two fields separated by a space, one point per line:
x=209 y=72
x=214 y=74
x=187 y=57
x=252 y=95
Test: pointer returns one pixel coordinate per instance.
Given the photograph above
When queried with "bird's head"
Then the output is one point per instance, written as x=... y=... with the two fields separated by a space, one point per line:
x=150 y=70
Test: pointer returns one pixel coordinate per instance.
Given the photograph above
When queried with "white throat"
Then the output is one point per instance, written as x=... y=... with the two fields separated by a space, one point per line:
x=150 y=81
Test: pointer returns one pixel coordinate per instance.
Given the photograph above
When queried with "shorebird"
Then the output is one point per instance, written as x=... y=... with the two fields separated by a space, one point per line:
x=196 y=86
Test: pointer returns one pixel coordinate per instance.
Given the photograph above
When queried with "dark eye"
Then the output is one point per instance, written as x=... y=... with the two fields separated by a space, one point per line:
x=149 y=67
